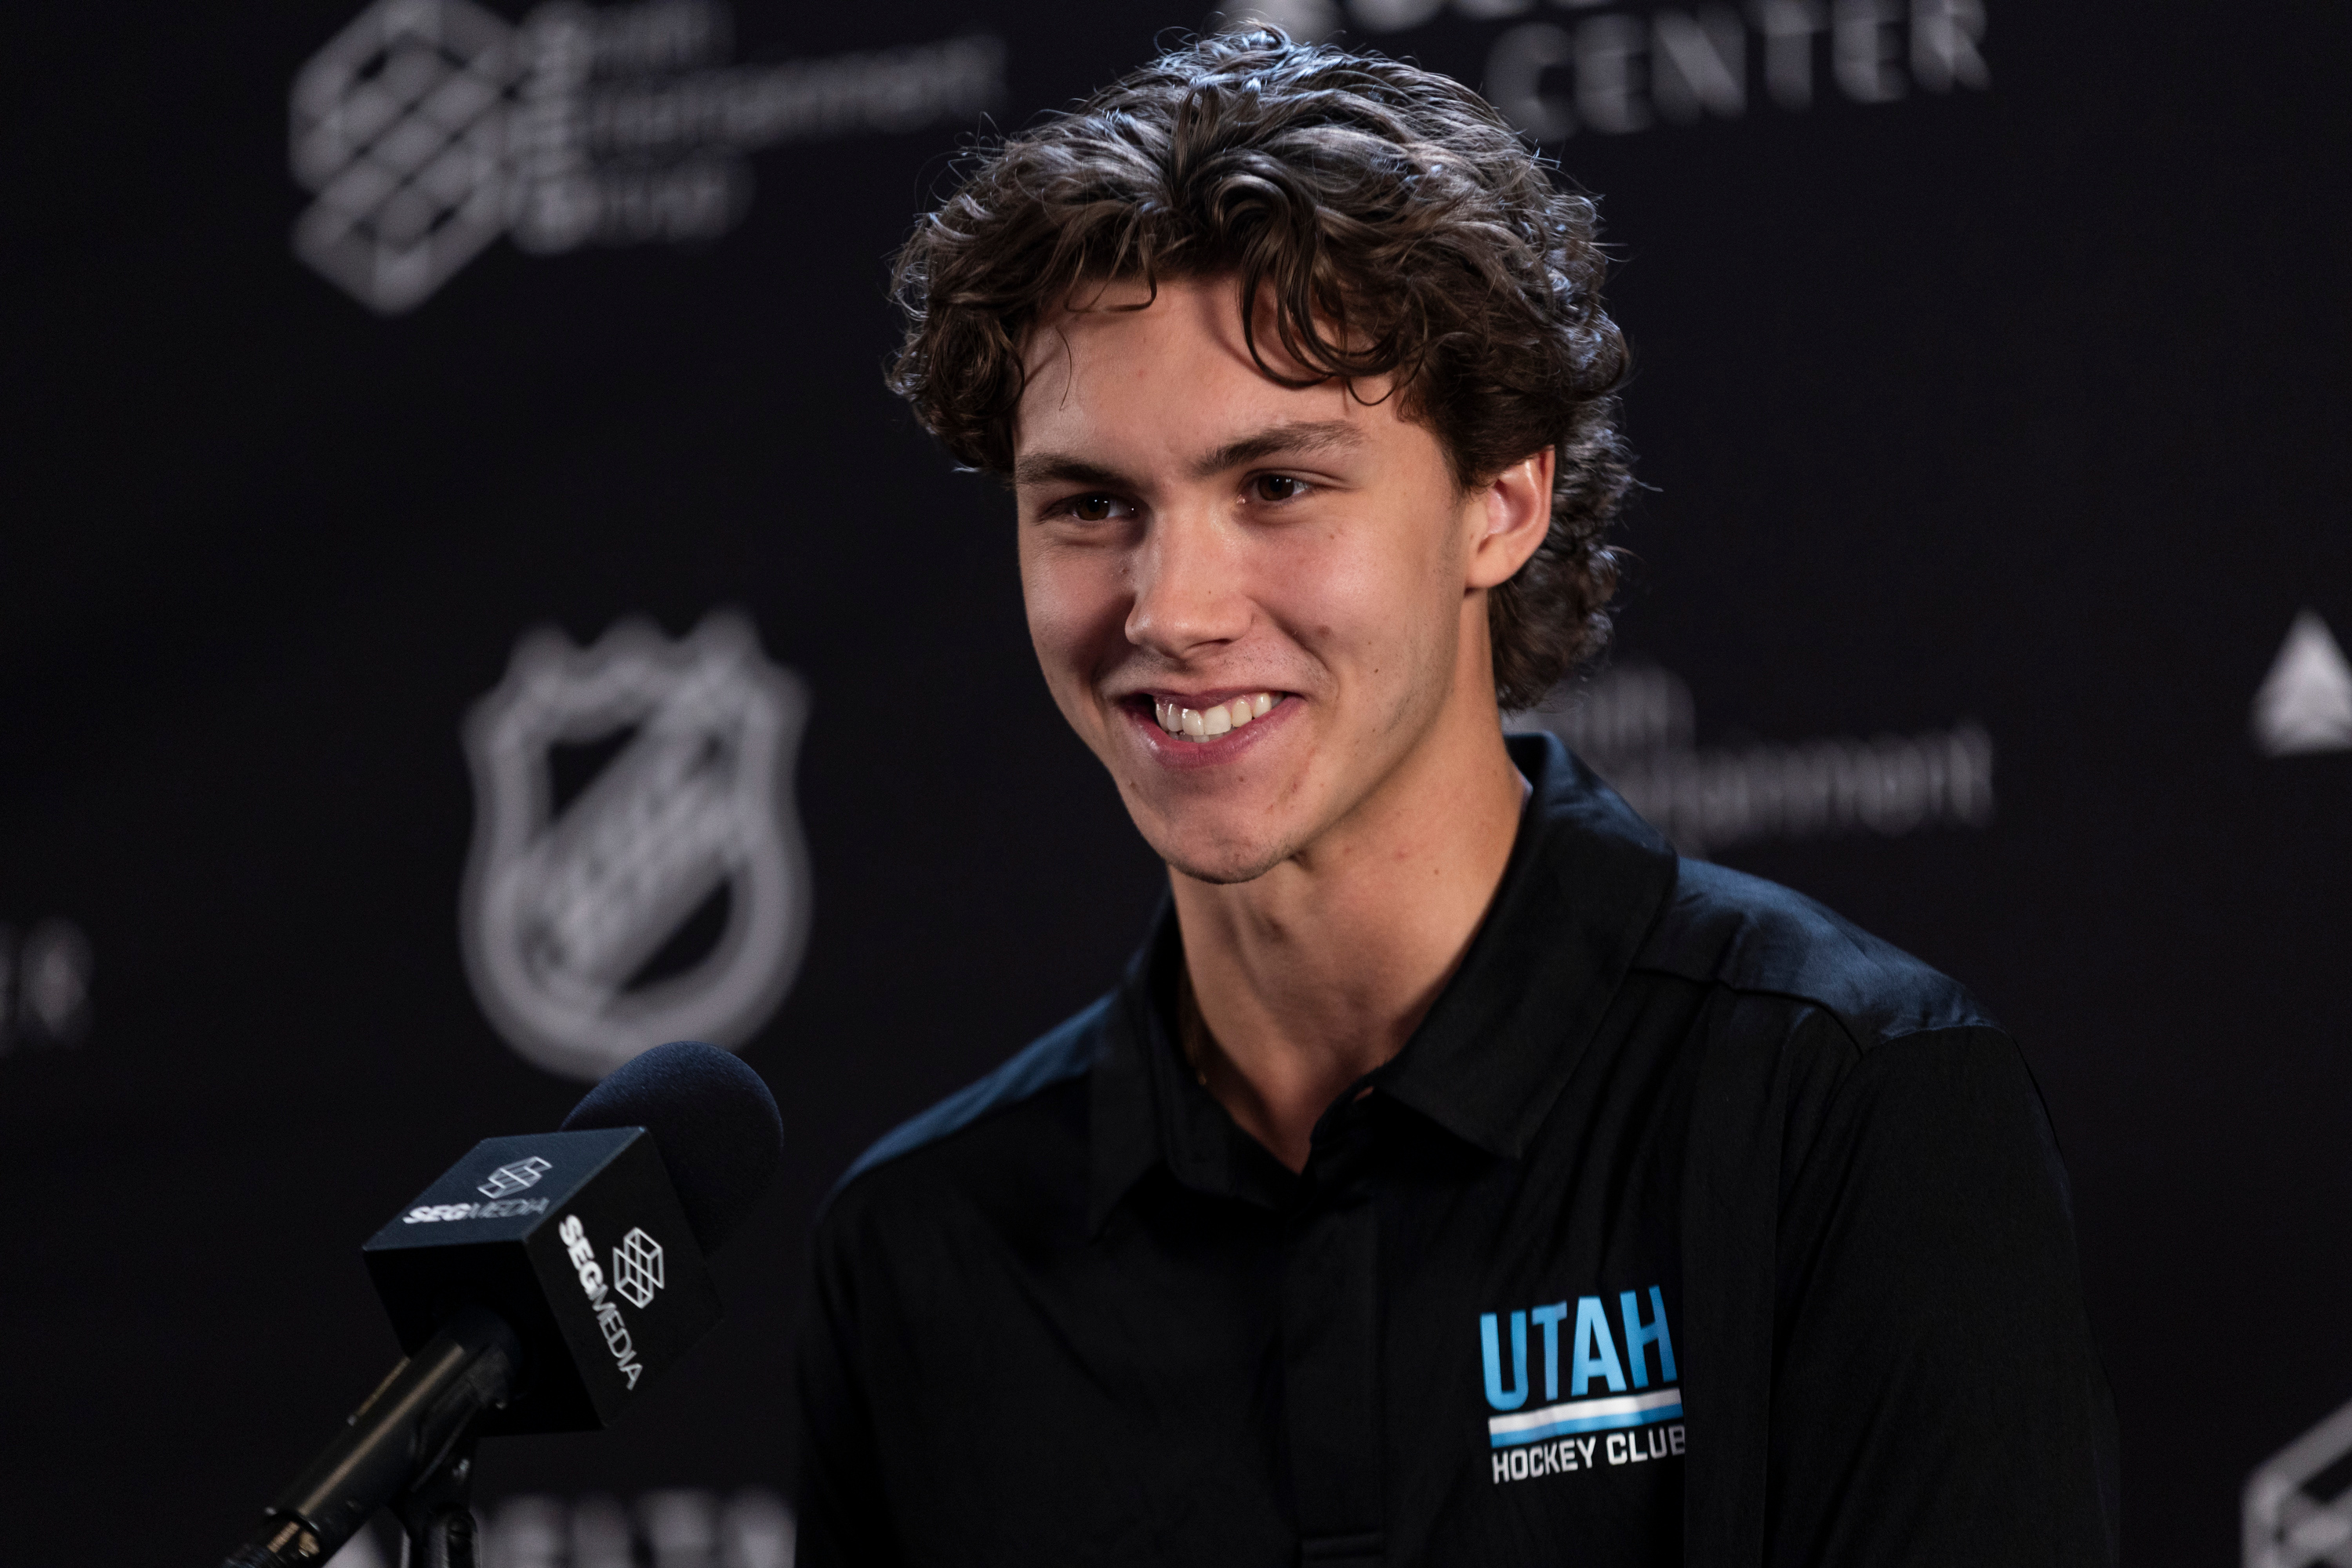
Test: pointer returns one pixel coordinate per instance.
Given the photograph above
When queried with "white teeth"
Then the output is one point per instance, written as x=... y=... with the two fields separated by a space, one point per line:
x=1206 y=723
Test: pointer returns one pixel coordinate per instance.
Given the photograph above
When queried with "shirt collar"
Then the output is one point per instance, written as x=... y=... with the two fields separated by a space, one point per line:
x=1586 y=880
x=1150 y=1108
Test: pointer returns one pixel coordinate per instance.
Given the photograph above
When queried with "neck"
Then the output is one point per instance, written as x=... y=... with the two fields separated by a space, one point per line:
x=1315 y=973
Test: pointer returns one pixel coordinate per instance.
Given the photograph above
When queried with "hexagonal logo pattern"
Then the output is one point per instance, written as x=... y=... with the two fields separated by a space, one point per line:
x=400 y=128
x=428 y=128
x=521 y=1176
x=638 y=1266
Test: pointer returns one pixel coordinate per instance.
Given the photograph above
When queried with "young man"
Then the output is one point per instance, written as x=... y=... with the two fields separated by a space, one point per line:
x=1455 y=1176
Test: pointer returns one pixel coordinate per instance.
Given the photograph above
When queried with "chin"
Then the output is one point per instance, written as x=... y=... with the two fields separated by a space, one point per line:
x=1220 y=862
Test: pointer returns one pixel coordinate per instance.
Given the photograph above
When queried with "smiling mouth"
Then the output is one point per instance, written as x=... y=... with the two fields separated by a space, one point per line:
x=1198 y=724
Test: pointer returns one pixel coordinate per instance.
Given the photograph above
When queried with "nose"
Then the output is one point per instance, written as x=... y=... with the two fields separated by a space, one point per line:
x=1191 y=589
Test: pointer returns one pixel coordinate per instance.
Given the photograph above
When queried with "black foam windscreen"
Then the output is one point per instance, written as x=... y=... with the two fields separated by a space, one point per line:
x=711 y=1117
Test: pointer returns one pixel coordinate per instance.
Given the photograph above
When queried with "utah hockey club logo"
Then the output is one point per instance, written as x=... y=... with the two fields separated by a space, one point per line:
x=637 y=872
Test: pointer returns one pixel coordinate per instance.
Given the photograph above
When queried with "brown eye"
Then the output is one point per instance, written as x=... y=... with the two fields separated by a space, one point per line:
x=1278 y=487
x=1093 y=508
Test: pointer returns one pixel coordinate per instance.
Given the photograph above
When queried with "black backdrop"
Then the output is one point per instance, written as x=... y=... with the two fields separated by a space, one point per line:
x=2000 y=422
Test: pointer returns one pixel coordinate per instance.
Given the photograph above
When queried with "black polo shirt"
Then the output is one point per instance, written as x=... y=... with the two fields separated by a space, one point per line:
x=1691 y=1225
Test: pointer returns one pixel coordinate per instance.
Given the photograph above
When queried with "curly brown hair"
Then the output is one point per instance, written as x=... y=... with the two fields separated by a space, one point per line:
x=1394 y=221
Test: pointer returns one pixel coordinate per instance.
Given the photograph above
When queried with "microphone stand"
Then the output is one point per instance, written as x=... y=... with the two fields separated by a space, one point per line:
x=411 y=1446
x=437 y=1514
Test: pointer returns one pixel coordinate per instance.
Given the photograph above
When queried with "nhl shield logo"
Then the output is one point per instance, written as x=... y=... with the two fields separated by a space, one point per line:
x=637 y=873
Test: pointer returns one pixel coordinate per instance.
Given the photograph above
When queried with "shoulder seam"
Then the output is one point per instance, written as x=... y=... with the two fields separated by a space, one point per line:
x=1005 y=1088
x=1897 y=1030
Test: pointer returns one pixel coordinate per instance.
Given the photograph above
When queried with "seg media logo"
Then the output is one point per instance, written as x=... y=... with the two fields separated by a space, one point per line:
x=630 y=1281
x=638 y=1266
x=521 y=1176
x=427 y=129
x=638 y=872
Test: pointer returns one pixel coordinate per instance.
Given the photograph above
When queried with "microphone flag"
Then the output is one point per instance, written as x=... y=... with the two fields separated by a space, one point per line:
x=578 y=1241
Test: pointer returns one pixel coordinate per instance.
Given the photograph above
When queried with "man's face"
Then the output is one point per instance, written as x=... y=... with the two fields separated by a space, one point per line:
x=1250 y=600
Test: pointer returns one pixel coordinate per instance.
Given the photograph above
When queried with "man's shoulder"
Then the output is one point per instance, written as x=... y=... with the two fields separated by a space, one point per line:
x=1725 y=928
x=966 y=1128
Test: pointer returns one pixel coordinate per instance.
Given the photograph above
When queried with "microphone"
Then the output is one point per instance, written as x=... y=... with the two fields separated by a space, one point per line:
x=538 y=1286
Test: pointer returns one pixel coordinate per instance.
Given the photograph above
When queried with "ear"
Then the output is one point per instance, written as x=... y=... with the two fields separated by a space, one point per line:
x=1511 y=512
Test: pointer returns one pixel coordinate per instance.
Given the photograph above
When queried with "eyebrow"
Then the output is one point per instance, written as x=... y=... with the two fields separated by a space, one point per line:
x=1302 y=437
x=1060 y=469
x=1292 y=438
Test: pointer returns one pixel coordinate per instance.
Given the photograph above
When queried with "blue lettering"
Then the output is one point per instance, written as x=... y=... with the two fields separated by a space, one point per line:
x=1519 y=1394
x=1636 y=1336
x=1591 y=1332
x=1548 y=1318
